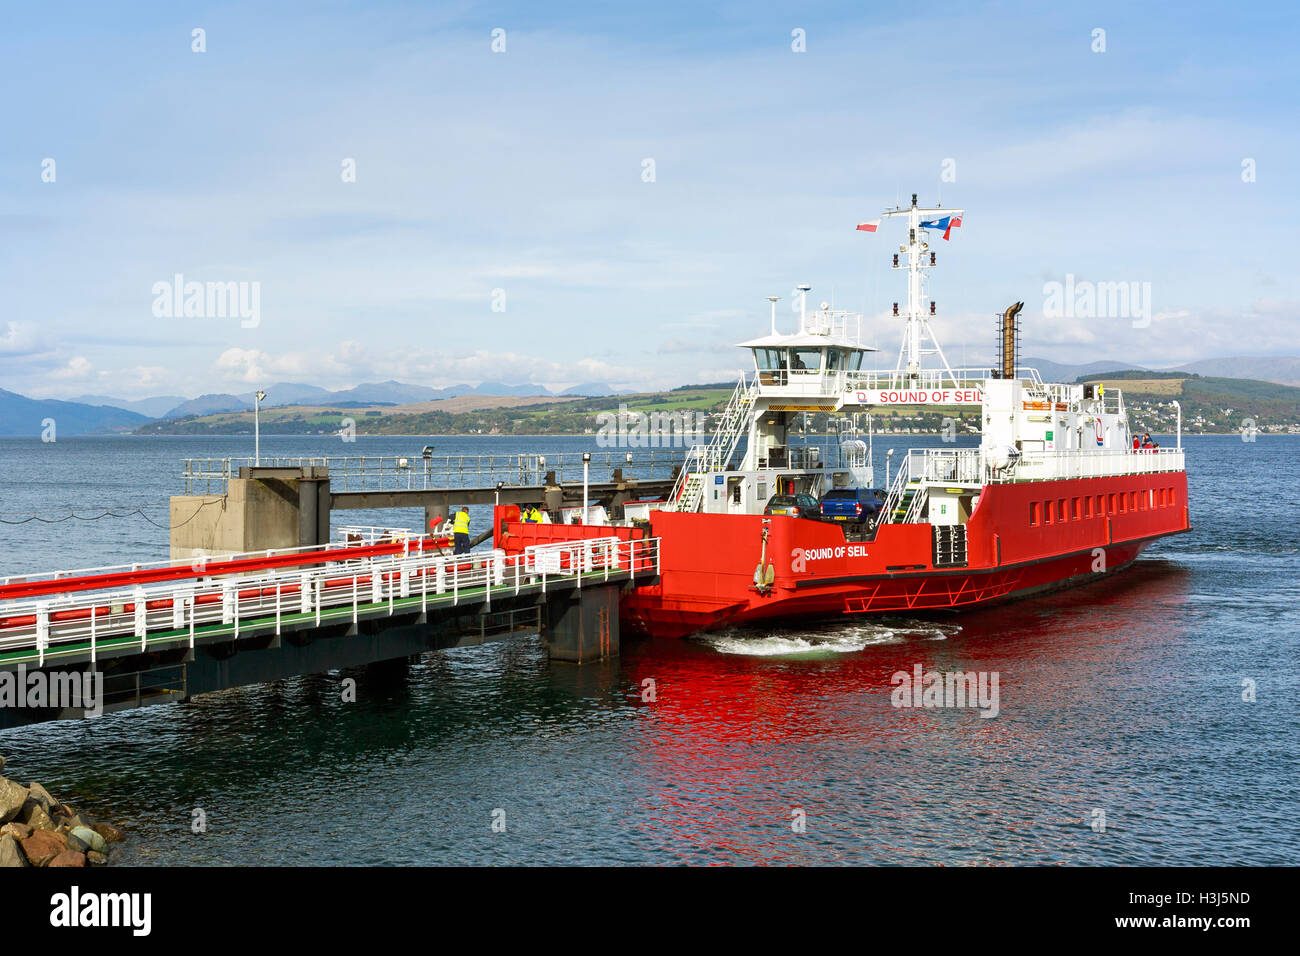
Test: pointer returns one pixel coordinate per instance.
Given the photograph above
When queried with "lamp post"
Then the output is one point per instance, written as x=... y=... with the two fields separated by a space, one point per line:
x=427 y=455
x=888 y=456
x=586 y=469
x=258 y=398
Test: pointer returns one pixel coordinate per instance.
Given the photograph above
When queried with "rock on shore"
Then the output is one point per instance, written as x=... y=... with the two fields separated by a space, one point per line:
x=38 y=830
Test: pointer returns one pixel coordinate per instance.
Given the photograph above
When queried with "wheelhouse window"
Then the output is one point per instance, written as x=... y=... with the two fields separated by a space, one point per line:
x=805 y=360
x=769 y=359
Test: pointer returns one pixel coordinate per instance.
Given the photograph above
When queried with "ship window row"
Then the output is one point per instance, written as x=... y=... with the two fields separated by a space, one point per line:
x=1059 y=510
x=807 y=359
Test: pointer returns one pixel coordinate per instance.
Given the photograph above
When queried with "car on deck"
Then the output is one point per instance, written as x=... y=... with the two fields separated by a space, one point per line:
x=850 y=505
x=799 y=506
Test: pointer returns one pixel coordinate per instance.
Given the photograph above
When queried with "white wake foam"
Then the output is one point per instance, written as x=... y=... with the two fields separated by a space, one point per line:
x=823 y=642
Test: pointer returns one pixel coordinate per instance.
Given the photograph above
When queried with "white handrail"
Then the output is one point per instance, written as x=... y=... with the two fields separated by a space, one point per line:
x=45 y=624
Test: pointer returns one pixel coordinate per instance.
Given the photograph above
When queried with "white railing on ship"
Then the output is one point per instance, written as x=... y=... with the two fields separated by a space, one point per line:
x=895 y=493
x=275 y=594
x=931 y=378
x=945 y=464
x=694 y=458
x=965 y=466
x=1083 y=463
x=817 y=381
x=717 y=454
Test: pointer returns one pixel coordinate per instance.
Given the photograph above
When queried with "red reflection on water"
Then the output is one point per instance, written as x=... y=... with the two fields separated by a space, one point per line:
x=738 y=743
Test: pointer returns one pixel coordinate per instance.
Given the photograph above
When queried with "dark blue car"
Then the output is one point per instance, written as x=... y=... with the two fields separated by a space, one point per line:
x=851 y=504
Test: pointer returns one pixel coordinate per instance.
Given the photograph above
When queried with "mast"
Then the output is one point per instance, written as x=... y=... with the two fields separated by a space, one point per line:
x=918 y=337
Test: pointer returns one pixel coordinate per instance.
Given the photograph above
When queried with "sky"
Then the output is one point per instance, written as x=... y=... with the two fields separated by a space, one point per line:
x=503 y=223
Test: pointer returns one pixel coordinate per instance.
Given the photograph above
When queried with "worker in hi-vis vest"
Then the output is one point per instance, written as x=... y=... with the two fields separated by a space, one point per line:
x=460 y=531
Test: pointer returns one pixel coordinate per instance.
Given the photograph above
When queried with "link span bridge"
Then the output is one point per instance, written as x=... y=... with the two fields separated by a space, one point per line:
x=167 y=631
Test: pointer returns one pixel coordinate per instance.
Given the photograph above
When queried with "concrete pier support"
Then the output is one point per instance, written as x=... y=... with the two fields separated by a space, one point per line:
x=582 y=626
x=262 y=508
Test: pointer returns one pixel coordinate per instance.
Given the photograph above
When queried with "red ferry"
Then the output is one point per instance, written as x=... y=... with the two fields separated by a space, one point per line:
x=1057 y=493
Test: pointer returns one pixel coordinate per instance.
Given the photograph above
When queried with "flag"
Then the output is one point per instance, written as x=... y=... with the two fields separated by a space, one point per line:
x=868 y=226
x=947 y=224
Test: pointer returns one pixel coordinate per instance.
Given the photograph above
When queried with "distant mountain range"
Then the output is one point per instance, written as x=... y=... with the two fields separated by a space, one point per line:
x=28 y=417
x=1058 y=372
x=103 y=414
x=296 y=393
x=1283 y=371
x=148 y=407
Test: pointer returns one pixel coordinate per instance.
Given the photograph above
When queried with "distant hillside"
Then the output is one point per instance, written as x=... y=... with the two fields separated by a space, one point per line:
x=1139 y=374
x=1209 y=403
x=22 y=416
x=461 y=415
x=289 y=393
x=1242 y=388
x=208 y=405
x=1058 y=372
x=498 y=388
x=283 y=394
x=1265 y=368
x=397 y=393
x=591 y=390
x=154 y=407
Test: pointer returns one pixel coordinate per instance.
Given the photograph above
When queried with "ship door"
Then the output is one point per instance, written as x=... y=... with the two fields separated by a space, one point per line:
x=734 y=495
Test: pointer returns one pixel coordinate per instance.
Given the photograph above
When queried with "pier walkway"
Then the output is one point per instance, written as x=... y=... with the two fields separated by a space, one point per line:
x=215 y=623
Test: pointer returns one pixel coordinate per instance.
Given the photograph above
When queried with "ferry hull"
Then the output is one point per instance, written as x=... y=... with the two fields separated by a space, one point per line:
x=708 y=561
x=1022 y=538
x=648 y=613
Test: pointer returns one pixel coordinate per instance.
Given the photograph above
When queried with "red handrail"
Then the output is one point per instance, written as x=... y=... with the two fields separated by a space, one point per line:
x=239 y=565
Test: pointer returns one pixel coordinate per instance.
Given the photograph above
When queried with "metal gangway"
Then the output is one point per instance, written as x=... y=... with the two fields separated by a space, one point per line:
x=75 y=617
x=429 y=472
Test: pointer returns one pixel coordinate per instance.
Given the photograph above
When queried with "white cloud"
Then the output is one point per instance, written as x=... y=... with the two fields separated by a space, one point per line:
x=77 y=369
x=21 y=338
x=256 y=367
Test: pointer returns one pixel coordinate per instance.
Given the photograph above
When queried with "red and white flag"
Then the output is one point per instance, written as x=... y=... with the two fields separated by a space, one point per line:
x=868 y=226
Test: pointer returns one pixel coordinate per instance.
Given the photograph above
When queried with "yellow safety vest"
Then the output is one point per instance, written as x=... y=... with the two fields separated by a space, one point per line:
x=461 y=524
x=535 y=516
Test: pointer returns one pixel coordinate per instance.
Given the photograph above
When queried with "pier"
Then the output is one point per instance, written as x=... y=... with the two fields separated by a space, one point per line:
x=234 y=506
x=168 y=631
